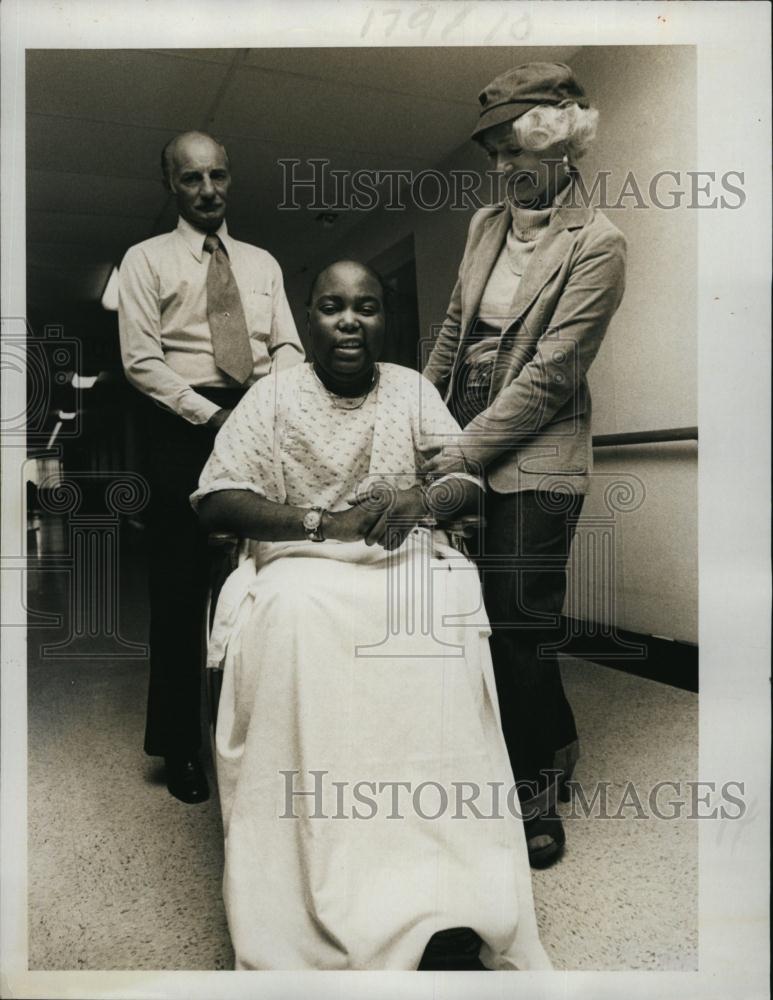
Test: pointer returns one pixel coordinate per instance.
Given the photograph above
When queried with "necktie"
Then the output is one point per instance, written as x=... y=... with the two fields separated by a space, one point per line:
x=230 y=339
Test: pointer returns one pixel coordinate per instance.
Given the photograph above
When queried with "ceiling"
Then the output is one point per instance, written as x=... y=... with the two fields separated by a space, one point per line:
x=97 y=120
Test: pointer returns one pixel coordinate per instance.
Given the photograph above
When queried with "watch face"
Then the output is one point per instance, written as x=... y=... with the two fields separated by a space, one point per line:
x=312 y=520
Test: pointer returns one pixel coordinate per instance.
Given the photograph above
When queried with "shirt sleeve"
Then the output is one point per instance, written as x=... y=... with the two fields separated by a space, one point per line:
x=246 y=451
x=139 y=327
x=285 y=346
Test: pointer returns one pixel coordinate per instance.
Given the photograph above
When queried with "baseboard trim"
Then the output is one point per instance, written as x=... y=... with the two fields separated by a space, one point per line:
x=668 y=661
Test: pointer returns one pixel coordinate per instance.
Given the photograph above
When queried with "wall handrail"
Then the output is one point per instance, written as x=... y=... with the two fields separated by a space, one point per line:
x=666 y=435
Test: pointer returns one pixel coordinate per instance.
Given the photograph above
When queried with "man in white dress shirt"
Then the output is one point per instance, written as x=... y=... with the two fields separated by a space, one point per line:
x=201 y=316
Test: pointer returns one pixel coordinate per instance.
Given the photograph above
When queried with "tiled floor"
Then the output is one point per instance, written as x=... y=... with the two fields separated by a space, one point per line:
x=123 y=876
x=625 y=894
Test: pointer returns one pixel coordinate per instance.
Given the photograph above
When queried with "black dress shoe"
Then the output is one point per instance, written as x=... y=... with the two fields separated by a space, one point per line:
x=545 y=839
x=185 y=779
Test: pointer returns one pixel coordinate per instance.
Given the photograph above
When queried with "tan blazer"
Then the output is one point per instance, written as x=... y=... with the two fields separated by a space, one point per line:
x=535 y=433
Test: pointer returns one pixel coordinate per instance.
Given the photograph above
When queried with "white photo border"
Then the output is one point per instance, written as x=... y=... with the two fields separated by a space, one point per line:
x=734 y=118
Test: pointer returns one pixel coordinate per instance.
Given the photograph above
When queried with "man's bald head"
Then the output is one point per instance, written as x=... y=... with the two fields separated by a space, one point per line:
x=196 y=172
x=184 y=138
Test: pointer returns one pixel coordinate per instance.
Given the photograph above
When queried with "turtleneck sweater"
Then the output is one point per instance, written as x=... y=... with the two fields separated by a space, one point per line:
x=527 y=225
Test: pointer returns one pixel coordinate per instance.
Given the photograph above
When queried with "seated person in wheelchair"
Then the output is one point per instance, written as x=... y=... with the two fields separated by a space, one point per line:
x=357 y=720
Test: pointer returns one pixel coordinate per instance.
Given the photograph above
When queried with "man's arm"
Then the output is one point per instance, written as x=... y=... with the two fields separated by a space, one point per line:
x=139 y=326
x=252 y=516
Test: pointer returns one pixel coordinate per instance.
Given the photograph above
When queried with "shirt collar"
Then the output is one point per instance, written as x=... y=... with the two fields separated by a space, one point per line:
x=194 y=238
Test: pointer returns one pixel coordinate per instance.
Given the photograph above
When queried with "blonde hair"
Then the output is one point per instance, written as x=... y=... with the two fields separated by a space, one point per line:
x=548 y=125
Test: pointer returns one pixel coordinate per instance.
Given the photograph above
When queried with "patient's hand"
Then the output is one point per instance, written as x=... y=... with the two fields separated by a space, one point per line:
x=350 y=525
x=385 y=517
x=400 y=512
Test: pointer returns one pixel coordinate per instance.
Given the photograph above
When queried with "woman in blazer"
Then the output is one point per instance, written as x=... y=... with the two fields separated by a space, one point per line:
x=541 y=277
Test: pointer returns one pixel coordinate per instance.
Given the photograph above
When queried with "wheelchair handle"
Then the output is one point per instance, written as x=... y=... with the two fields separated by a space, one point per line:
x=222 y=539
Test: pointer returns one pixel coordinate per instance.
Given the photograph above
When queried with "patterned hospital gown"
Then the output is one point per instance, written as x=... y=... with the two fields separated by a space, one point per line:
x=292 y=441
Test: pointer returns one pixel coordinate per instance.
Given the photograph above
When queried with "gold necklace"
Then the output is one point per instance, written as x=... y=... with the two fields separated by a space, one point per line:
x=336 y=399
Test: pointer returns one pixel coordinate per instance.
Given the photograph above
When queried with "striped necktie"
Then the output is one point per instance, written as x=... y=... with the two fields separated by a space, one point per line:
x=230 y=339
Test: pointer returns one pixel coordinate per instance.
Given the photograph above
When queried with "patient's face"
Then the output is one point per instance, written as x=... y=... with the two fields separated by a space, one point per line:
x=346 y=322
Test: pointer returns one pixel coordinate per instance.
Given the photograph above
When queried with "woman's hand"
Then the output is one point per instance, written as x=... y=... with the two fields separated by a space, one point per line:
x=218 y=418
x=446 y=462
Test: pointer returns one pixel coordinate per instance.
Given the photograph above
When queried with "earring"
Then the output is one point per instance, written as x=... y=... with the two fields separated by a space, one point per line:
x=566 y=165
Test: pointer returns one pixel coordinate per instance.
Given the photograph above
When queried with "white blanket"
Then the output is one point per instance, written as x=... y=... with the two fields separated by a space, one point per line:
x=349 y=670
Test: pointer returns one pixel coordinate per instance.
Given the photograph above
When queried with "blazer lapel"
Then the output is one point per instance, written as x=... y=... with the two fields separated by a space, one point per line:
x=486 y=254
x=547 y=257
x=549 y=254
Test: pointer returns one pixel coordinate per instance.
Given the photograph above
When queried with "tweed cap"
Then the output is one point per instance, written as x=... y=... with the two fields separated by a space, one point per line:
x=519 y=90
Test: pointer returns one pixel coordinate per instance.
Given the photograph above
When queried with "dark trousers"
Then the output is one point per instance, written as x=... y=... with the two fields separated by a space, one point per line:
x=526 y=546
x=178 y=570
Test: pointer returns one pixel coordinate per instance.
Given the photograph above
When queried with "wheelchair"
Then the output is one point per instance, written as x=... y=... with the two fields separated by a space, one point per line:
x=224 y=557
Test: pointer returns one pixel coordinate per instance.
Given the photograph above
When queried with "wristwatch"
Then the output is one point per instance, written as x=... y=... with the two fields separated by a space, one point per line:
x=312 y=524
